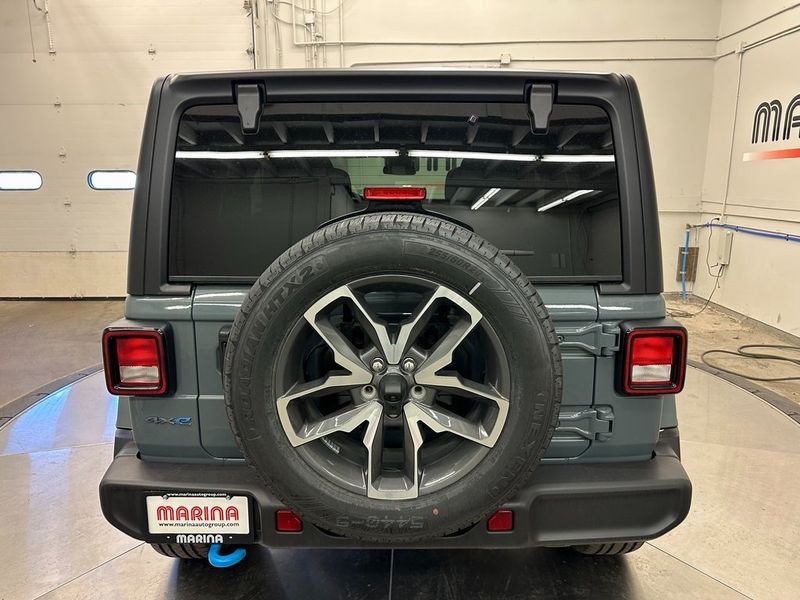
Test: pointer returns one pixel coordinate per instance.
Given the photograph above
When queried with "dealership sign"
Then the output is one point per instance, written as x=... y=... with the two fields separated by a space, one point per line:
x=771 y=123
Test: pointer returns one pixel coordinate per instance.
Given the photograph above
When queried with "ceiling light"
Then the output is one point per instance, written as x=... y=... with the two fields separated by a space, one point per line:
x=484 y=199
x=577 y=158
x=219 y=155
x=322 y=153
x=566 y=198
x=473 y=155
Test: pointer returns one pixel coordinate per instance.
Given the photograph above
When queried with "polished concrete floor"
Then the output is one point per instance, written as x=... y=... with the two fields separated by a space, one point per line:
x=740 y=540
x=43 y=340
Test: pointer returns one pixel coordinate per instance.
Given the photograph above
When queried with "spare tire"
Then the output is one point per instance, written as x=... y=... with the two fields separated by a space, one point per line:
x=393 y=377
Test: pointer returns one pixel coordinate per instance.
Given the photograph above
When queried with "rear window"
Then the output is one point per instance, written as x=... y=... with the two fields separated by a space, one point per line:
x=551 y=202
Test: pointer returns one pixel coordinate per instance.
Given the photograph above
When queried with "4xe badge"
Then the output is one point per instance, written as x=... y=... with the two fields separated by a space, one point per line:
x=156 y=420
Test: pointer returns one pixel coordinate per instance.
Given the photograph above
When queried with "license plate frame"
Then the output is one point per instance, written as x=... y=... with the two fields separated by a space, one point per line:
x=199 y=518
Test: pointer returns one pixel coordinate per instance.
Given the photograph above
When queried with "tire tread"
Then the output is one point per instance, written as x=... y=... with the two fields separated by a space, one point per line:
x=182 y=551
x=609 y=548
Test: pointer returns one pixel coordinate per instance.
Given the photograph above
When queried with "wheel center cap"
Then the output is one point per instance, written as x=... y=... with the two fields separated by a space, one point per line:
x=393 y=392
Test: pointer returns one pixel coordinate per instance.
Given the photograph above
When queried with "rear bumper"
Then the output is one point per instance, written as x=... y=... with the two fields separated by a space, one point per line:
x=564 y=504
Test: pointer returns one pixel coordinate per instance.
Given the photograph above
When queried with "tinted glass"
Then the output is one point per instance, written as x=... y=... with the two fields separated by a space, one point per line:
x=549 y=201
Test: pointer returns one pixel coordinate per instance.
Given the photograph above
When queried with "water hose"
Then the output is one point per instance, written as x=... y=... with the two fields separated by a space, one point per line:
x=746 y=352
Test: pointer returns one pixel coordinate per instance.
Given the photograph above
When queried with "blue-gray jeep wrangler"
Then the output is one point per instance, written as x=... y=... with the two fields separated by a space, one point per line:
x=395 y=309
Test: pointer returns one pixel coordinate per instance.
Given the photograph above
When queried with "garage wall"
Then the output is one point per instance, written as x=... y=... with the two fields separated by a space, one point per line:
x=82 y=108
x=762 y=278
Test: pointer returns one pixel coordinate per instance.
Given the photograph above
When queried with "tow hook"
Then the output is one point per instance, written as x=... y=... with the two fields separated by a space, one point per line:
x=223 y=561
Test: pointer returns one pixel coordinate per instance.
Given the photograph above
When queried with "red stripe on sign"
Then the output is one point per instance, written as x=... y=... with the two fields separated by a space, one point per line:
x=772 y=154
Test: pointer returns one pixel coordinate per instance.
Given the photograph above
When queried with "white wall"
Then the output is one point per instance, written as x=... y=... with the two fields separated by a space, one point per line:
x=82 y=108
x=67 y=240
x=762 y=279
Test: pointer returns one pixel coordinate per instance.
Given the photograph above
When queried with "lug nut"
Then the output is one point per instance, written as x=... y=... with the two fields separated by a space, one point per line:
x=409 y=365
x=418 y=392
x=378 y=365
x=368 y=392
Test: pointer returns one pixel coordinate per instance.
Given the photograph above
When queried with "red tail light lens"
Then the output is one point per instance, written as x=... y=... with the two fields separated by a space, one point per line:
x=288 y=522
x=395 y=194
x=135 y=361
x=655 y=361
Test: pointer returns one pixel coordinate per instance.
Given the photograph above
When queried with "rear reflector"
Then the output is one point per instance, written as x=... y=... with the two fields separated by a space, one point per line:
x=655 y=361
x=393 y=194
x=288 y=522
x=502 y=520
x=135 y=361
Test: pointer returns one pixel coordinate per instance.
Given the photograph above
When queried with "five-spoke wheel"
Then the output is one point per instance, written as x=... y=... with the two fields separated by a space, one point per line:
x=393 y=386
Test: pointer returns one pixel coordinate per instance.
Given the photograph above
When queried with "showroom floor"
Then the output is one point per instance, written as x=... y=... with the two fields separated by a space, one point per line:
x=739 y=540
x=44 y=340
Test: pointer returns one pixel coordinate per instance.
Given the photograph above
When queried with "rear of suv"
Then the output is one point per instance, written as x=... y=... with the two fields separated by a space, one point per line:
x=395 y=309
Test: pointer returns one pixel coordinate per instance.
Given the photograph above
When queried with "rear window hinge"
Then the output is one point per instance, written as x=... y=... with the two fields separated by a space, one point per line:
x=592 y=423
x=600 y=339
x=540 y=106
x=250 y=99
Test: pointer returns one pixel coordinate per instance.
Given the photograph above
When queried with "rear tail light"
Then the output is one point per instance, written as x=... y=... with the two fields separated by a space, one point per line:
x=654 y=360
x=135 y=361
x=395 y=194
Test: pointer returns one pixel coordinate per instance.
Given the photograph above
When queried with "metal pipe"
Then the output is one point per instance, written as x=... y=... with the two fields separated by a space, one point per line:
x=323 y=32
x=778 y=235
x=342 y=43
x=253 y=11
x=756 y=217
x=771 y=38
x=505 y=42
x=341 y=33
x=767 y=18
x=278 y=42
x=757 y=206
x=51 y=43
x=683 y=263
x=311 y=7
x=713 y=57
x=539 y=59
x=733 y=135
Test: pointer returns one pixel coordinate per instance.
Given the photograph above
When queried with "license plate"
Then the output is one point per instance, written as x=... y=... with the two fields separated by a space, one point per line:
x=193 y=515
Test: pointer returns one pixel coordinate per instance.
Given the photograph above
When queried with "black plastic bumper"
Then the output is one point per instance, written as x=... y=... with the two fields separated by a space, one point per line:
x=564 y=504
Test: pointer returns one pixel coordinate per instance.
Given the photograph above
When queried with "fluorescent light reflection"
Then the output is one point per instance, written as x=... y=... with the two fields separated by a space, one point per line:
x=473 y=155
x=566 y=198
x=378 y=152
x=208 y=154
x=387 y=152
x=577 y=158
x=484 y=199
